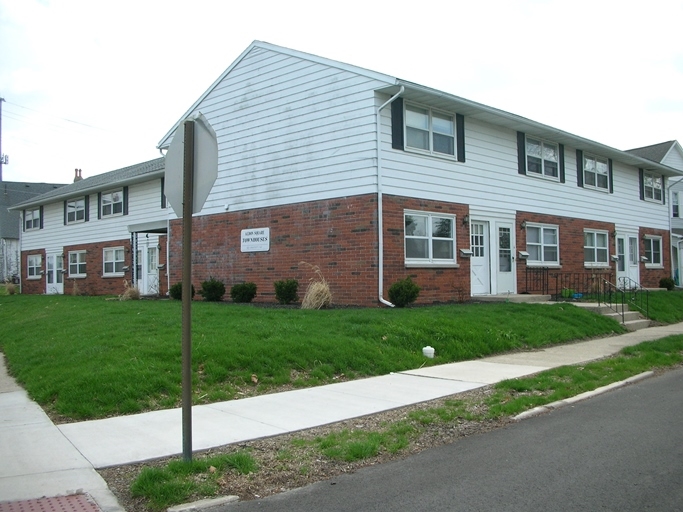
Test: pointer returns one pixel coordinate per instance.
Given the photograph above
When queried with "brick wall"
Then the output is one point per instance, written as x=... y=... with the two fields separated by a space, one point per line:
x=32 y=286
x=94 y=283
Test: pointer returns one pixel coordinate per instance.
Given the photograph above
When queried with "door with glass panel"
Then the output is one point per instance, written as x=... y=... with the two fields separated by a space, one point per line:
x=54 y=274
x=627 y=265
x=505 y=258
x=479 y=262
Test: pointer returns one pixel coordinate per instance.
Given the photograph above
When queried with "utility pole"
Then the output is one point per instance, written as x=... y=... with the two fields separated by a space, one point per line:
x=2 y=156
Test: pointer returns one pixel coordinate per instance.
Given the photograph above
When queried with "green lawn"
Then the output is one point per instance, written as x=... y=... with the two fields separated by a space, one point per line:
x=87 y=357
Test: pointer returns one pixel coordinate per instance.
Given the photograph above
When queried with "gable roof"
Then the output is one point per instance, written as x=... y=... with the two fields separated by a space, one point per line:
x=126 y=176
x=655 y=152
x=15 y=192
x=446 y=101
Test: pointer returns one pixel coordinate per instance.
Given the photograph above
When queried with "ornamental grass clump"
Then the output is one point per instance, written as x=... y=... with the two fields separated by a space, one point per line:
x=130 y=292
x=243 y=292
x=318 y=294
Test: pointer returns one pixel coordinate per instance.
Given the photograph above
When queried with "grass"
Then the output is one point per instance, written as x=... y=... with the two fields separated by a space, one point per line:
x=86 y=357
x=666 y=307
x=177 y=482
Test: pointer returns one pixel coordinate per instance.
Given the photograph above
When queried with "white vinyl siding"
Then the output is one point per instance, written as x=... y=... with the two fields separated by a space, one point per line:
x=596 y=248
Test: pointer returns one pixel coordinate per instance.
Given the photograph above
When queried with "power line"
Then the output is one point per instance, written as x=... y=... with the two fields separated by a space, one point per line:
x=56 y=117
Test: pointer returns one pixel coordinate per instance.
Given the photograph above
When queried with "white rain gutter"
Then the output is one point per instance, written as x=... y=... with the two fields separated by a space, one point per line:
x=380 y=222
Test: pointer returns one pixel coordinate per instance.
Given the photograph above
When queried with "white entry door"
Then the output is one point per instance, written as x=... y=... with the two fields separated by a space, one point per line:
x=627 y=265
x=54 y=275
x=147 y=269
x=480 y=268
x=505 y=258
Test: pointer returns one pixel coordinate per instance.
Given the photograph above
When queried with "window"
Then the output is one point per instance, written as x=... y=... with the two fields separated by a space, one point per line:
x=34 y=264
x=430 y=131
x=75 y=210
x=652 y=186
x=429 y=238
x=542 y=158
x=32 y=219
x=77 y=264
x=595 y=172
x=111 y=203
x=675 y=212
x=596 y=248
x=113 y=261
x=542 y=244
x=653 y=251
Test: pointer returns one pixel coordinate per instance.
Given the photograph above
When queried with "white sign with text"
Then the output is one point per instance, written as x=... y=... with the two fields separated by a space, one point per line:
x=255 y=240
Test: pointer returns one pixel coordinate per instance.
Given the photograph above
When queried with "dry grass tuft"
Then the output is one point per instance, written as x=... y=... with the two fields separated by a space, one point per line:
x=10 y=288
x=318 y=294
x=130 y=293
x=74 y=289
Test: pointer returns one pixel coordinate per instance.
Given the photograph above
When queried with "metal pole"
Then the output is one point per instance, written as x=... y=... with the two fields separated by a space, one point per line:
x=188 y=179
x=2 y=157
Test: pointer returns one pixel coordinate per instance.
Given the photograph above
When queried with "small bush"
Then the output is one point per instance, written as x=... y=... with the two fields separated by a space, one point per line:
x=243 y=292
x=403 y=292
x=176 y=291
x=11 y=288
x=286 y=291
x=212 y=290
x=667 y=282
x=130 y=292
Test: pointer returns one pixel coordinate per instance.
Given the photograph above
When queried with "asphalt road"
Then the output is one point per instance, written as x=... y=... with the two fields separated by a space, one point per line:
x=621 y=451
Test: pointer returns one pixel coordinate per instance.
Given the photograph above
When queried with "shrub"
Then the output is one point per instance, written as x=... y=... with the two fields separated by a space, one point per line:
x=212 y=290
x=667 y=282
x=11 y=288
x=403 y=292
x=318 y=294
x=130 y=292
x=285 y=291
x=244 y=292
x=176 y=291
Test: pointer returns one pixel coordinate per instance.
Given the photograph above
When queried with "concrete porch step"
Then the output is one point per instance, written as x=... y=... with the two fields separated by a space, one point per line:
x=513 y=297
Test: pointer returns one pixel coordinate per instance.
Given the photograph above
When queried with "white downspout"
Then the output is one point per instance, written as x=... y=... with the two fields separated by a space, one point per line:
x=380 y=222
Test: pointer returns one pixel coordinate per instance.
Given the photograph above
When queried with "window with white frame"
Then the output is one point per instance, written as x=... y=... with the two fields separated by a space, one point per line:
x=595 y=172
x=75 y=210
x=77 y=264
x=34 y=265
x=430 y=130
x=675 y=212
x=32 y=219
x=653 y=251
x=429 y=238
x=542 y=158
x=652 y=186
x=542 y=244
x=595 y=248
x=114 y=259
x=112 y=203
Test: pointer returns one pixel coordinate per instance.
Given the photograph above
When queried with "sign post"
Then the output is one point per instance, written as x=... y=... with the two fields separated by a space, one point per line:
x=192 y=156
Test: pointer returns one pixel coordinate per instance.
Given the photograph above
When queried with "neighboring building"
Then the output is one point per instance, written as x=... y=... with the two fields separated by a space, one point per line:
x=11 y=193
x=94 y=232
x=373 y=179
x=670 y=153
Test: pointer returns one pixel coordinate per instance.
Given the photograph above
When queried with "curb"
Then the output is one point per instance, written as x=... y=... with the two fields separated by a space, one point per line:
x=583 y=396
x=203 y=504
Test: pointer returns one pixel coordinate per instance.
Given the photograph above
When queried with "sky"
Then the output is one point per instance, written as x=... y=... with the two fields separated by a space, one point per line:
x=96 y=85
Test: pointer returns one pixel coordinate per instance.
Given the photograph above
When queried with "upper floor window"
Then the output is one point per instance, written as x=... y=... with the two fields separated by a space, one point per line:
x=542 y=244
x=429 y=238
x=652 y=186
x=77 y=263
x=34 y=264
x=114 y=260
x=675 y=212
x=542 y=158
x=653 y=251
x=595 y=248
x=595 y=172
x=430 y=130
x=75 y=210
x=32 y=219
x=111 y=203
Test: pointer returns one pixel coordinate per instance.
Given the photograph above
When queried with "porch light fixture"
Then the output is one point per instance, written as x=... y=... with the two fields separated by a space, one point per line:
x=614 y=257
x=644 y=259
x=466 y=253
x=523 y=224
x=465 y=220
x=523 y=255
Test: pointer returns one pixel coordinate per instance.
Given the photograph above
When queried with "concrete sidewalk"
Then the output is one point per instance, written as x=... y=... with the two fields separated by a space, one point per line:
x=41 y=459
